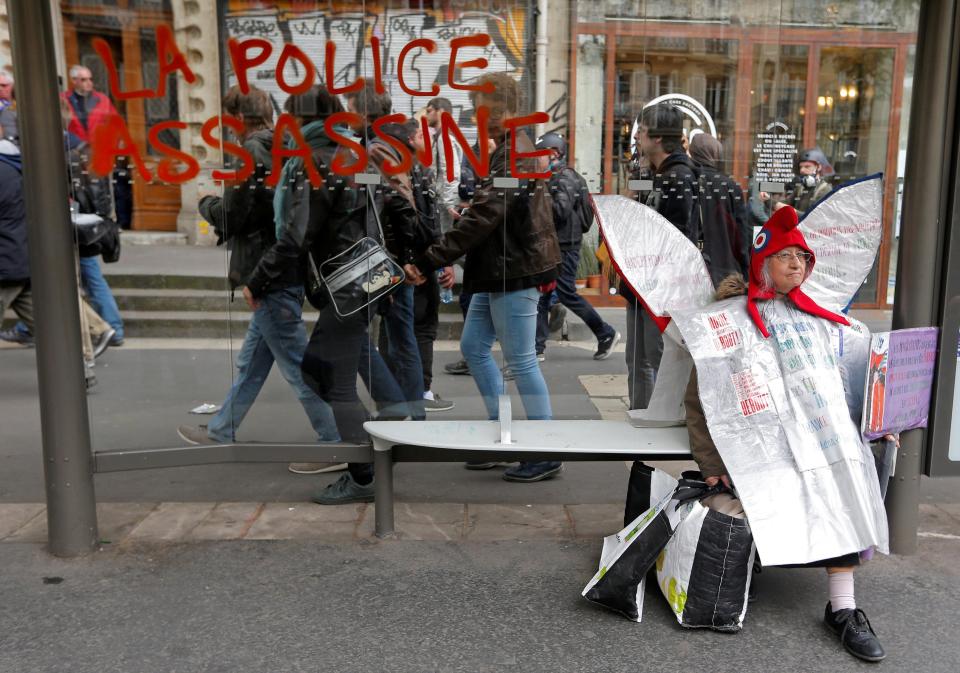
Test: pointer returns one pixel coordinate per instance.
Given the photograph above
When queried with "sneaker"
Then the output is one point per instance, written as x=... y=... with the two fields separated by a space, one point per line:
x=460 y=367
x=13 y=335
x=195 y=434
x=856 y=634
x=558 y=315
x=528 y=472
x=605 y=346
x=482 y=465
x=344 y=490
x=103 y=341
x=316 y=468
x=116 y=341
x=541 y=357
x=437 y=404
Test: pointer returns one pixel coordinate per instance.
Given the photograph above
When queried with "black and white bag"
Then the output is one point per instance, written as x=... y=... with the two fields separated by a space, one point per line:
x=628 y=555
x=359 y=276
x=705 y=569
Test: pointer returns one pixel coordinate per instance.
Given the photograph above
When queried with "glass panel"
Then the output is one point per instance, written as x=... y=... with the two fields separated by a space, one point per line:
x=778 y=92
x=907 y=98
x=763 y=80
x=854 y=94
x=853 y=108
x=699 y=74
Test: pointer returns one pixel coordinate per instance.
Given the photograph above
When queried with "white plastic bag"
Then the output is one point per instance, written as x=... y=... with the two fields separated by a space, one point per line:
x=705 y=569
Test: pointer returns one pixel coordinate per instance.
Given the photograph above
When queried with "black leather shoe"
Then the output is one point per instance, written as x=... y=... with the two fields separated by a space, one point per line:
x=856 y=634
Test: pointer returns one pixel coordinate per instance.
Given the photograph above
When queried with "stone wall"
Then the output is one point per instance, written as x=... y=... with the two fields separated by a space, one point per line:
x=197 y=34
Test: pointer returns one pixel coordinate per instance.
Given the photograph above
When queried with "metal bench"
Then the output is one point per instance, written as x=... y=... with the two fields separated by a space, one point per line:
x=449 y=441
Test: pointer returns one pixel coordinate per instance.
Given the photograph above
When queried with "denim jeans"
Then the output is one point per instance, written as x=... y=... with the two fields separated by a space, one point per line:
x=381 y=384
x=276 y=333
x=643 y=353
x=403 y=356
x=569 y=297
x=511 y=318
x=99 y=294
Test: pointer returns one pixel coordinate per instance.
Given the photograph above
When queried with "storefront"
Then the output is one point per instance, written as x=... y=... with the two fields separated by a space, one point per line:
x=831 y=75
x=836 y=76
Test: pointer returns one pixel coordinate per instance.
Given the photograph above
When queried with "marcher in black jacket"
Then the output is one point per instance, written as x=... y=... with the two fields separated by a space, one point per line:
x=572 y=217
x=674 y=196
x=323 y=222
x=14 y=263
x=724 y=227
x=244 y=218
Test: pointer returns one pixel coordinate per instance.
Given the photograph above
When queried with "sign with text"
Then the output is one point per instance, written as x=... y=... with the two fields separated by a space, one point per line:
x=899 y=379
x=774 y=152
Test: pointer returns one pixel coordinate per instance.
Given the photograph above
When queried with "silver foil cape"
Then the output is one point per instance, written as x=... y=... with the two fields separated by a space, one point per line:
x=659 y=263
x=844 y=231
x=777 y=411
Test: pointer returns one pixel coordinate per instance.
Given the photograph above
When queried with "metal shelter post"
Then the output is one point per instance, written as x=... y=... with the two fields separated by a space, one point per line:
x=925 y=197
x=67 y=461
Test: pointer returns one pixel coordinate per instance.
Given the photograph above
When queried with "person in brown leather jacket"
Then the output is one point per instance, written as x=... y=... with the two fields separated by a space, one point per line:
x=511 y=248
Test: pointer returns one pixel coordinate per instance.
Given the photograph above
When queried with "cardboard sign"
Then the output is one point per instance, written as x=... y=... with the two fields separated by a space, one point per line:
x=899 y=380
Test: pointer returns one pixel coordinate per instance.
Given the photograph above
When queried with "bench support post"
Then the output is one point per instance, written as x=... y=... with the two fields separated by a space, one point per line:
x=383 y=490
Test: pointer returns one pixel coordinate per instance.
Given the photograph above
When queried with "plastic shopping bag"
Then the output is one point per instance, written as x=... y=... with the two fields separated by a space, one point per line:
x=628 y=555
x=705 y=569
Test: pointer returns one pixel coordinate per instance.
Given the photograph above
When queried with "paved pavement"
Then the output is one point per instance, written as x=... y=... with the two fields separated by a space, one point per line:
x=423 y=606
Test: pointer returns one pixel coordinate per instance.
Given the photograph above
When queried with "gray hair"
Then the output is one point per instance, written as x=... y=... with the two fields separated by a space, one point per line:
x=75 y=70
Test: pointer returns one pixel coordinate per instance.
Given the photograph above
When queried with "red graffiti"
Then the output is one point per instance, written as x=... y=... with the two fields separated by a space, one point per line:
x=113 y=139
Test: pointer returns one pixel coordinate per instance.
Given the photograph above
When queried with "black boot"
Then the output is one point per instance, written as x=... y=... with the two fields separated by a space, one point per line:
x=856 y=634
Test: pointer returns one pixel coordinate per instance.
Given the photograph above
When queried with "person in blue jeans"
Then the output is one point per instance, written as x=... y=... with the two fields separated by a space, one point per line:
x=512 y=255
x=276 y=334
x=403 y=353
x=243 y=218
x=100 y=296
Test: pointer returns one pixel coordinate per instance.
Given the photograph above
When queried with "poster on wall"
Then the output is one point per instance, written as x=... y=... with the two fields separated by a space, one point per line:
x=899 y=380
x=350 y=29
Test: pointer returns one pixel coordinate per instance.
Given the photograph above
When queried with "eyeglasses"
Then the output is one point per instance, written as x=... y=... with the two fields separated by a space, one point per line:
x=786 y=257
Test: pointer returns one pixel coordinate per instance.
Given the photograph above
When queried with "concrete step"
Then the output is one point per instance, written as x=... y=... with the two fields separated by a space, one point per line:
x=194 y=299
x=233 y=324
x=152 y=238
x=149 y=299
x=145 y=281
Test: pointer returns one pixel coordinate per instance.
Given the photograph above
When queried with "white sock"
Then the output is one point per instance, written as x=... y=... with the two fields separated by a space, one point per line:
x=428 y=395
x=841 y=590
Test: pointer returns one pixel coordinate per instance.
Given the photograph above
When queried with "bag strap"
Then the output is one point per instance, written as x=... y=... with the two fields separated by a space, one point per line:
x=376 y=214
x=695 y=489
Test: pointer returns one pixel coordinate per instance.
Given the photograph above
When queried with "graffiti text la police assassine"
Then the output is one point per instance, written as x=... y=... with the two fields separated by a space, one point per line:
x=112 y=138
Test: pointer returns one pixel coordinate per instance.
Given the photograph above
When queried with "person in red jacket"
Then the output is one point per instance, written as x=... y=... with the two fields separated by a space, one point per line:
x=88 y=108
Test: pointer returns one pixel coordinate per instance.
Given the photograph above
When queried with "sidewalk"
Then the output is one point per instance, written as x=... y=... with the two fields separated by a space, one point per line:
x=306 y=605
x=129 y=524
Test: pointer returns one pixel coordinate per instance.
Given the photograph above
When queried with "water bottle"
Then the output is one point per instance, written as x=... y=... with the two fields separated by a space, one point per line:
x=446 y=293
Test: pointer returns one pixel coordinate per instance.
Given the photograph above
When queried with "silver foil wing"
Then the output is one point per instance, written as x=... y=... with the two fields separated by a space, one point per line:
x=776 y=411
x=844 y=231
x=662 y=267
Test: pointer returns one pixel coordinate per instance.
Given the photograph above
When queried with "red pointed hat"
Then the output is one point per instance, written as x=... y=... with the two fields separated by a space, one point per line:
x=781 y=231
